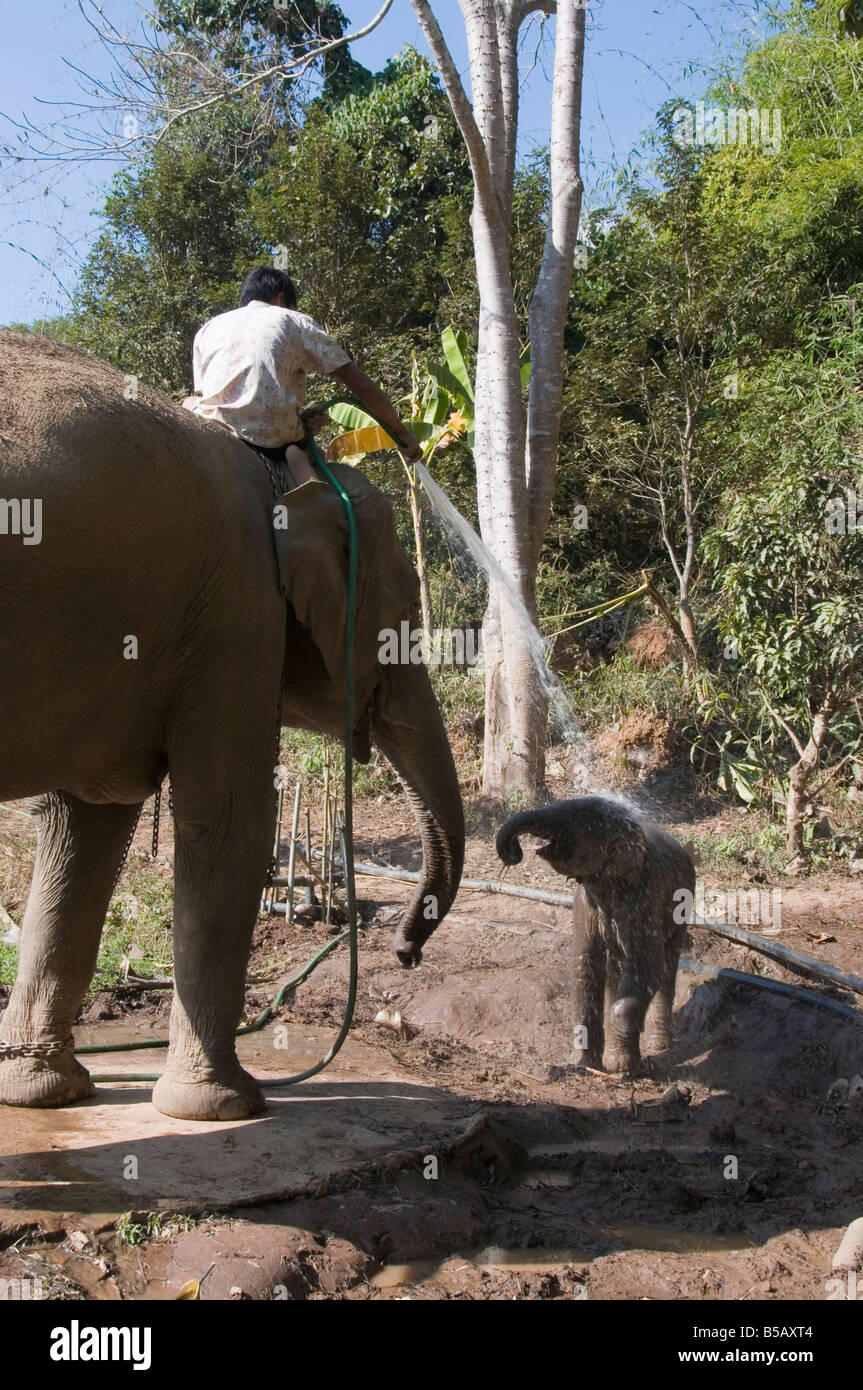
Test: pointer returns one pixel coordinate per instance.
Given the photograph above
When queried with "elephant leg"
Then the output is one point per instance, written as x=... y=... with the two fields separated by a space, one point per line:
x=588 y=978
x=612 y=985
x=626 y=1017
x=658 y=1022
x=79 y=854
x=224 y=810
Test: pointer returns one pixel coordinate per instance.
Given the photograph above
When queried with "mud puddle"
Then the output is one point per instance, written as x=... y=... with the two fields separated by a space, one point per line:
x=537 y=1260
x=125 y=1045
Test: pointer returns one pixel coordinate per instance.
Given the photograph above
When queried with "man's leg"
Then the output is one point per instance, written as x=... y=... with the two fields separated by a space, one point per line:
x=300 y=465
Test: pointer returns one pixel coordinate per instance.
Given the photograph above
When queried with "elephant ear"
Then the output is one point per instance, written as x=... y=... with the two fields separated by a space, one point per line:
x=312 y=549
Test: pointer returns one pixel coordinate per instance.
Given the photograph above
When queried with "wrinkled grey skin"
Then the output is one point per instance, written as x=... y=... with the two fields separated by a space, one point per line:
x=160 y=527
x=627 y=943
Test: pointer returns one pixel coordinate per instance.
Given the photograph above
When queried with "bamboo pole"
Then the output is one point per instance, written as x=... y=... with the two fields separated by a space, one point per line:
x=326 y=827
x=330 y=860
x=482 y=885
x=314 y=875
x=783 y=955
x=269 y=894
x=415 y=498
x=277 y=848
x=292 y=853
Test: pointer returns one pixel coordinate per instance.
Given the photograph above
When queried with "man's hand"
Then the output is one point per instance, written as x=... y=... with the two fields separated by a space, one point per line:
x=410 y=447
x=313 y=419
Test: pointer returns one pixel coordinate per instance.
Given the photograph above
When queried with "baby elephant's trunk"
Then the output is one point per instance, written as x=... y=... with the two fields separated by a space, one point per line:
x=543 y=822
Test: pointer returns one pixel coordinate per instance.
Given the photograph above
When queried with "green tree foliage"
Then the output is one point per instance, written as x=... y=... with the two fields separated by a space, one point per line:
x=62 y=328
x=177 y=236
x=364 y=202
x=801 y=208
x=660 y=324
x=178 y=228
x=787 y=555
x=239 y=33
x=364 y=198
x=720 y=303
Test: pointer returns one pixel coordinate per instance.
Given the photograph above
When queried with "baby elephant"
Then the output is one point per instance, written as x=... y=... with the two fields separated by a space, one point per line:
x=627 y=942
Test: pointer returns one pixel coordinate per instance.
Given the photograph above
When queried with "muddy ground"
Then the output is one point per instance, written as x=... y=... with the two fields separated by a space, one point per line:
x=561 y=1184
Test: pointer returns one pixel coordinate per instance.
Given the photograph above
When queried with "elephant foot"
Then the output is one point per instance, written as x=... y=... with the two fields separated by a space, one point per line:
x=50 y=1079
x=236 y=1098
x=620 y=1060
x=657 y=1043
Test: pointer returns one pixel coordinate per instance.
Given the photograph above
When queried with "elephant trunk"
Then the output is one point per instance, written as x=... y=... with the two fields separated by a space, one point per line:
x=407 y=727
x=543 y=822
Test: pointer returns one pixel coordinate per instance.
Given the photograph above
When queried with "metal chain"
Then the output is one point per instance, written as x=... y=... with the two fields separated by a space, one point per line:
x=129 y=838
x=271 y=867
x=157 y=808
x=157 y=812
x=48 y=1049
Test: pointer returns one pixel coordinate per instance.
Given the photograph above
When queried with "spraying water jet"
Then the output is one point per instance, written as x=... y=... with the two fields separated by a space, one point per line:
x=459 y=529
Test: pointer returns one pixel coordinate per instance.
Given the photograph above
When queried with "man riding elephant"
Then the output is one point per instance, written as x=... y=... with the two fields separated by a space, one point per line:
x=164 y=625
x=250 y=368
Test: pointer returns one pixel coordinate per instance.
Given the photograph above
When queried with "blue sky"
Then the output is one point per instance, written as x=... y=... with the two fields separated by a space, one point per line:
x=638 y=54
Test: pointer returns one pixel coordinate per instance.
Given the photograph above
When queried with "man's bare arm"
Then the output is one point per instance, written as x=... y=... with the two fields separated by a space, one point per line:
x=377 y=402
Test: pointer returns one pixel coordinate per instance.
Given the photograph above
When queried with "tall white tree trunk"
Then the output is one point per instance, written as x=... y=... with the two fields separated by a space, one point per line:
x=515 y=464
x=548 y=307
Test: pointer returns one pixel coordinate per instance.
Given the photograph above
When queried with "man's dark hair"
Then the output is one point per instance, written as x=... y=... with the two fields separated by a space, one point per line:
x=265 y=282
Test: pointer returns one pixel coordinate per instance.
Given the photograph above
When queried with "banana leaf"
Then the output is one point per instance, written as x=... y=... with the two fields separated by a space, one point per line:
x=455 y=346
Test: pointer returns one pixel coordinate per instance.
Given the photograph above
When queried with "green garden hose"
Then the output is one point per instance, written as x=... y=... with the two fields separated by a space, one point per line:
x=262 y=1019
x=347 y=843
x=347 y=831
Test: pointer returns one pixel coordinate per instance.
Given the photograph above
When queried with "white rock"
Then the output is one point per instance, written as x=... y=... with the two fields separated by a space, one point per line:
x=392 y=1019
x=850 y=1252
x=838 y=1092
x=388 y=1018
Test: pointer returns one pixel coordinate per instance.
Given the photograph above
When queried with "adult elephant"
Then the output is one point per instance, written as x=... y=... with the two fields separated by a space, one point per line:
x=164 y=617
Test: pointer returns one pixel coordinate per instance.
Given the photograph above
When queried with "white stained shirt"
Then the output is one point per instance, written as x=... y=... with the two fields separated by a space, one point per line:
x=250 y=368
